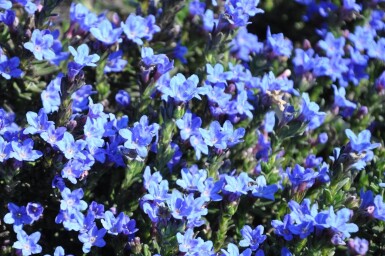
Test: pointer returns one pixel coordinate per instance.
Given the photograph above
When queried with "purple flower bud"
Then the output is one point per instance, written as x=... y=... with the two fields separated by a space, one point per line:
x=34 y=210
x=123 y=98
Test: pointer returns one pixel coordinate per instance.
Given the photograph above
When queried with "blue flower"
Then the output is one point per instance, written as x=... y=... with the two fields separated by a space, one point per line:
x=9 y=68
x=71 y=201
x=197 y=7
x=34 y=210
x=5 y=149
x=245 y=44
x=114 y=225
x=115 y=63
x=38 y=122
x=27 y=244
x=301 y=178
x=232 y=250
x=263 y=190
x=332 y=46
x=86 y=19
x=50 y=97
x=238 y=185
x=25 y=152
x=361 y=142
x=41 y=44
x=252 y=237
x=140 y=136
x=105 y=33
x=137 y=27
x=123 y=98
x=358 y=246
x=192 y=179
x=180 y=89
x=310 y=113
x=94 y=237
x=278 y=45
x=186 y=241
x=188 y=125
x=379 y=210
x=82 y=57
x=17 y=216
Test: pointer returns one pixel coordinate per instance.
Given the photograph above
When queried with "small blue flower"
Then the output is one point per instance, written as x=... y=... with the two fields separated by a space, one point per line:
x=27 y=243
x=40 y=45
x=24 y=151
x=9 y=68
x=105 y=33
x=34 y=210
x=17 y=216
x=115 y=63
x=252 y=238
x=123 y=98
x=82 y=57
x=137 y=27
x=232 y=250
x=94 y=237
x=361 y=142
x=71 y=201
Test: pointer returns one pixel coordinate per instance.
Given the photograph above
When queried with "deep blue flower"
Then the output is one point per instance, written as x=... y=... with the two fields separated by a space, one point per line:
x=282 y=228
x=262 y=190
x=8 y=17
x=97 y=209
x=9 y=67
x=17 y=216
x=301 y=178
x=27 y=243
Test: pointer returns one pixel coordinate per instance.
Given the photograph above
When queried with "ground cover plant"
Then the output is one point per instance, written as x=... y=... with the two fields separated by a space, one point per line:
x=174 y=127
